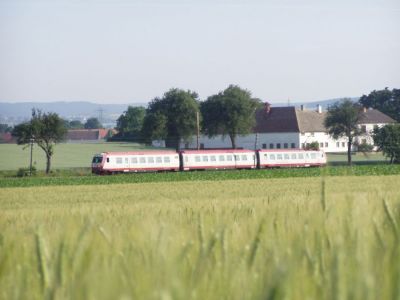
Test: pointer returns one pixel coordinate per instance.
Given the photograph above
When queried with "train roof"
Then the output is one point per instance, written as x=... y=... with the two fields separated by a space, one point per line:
x=287 y=150
x=204 y=151
x=143 y=152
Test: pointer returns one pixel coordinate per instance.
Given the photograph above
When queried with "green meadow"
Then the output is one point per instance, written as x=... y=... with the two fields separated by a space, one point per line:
x=289 y=238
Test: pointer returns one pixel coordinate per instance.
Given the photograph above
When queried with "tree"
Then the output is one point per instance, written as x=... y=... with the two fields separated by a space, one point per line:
x=93 y=123
x=76 y=124
x=4 y=128
x=46 y=130
x=231 y=112
x=386 y=101
x=172 y=117
x=387 y=138
x=130 y=123
x=342 y=120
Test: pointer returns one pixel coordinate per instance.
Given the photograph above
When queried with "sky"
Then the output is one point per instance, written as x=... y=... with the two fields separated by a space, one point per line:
x=124 y=51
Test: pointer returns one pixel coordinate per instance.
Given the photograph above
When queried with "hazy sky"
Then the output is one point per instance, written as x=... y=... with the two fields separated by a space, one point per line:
x=132 y=51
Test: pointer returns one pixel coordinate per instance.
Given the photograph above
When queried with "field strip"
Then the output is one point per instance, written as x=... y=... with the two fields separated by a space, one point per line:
x=363 y=170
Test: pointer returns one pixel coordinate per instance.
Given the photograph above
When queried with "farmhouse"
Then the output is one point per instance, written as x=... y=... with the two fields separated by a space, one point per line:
x=289 y=127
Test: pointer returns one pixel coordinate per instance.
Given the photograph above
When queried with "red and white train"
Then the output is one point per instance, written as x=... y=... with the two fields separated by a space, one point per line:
x=165 y=160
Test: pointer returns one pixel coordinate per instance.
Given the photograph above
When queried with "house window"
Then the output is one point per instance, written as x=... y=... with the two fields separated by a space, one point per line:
x=337 y=144
x=292 y=145
x=343 y=144
x=312 y=134
x=321 y=145
x=278 y=146
x=326 y=145
x=201 y=145
x=264 y=146
x=285 y=145
x=271 y=146
x=303 y=145
x=363 y=128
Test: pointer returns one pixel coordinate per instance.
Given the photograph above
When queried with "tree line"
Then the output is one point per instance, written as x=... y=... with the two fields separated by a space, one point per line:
x=175 y=116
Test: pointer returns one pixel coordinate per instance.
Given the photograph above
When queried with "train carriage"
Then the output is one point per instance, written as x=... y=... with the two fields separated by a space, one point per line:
x=218 y=159
x=135 y=161
x=290 y=158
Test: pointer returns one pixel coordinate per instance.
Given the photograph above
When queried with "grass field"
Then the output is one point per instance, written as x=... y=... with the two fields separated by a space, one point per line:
x=66 y=155
x=293 y=238
x=79 y=155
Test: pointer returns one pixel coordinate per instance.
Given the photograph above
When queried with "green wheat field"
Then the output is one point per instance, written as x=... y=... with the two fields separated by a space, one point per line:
x=290 y=238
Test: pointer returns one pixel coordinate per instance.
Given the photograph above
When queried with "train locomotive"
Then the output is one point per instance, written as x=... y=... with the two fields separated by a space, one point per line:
x=219 y=159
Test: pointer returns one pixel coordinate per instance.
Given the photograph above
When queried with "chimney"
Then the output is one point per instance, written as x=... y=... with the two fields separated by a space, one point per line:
x=302 y=107
x=319 y=108
x=267 y=107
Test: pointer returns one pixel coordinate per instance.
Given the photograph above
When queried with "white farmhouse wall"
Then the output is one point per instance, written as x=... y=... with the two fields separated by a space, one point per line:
x=326 y=142
x=366 y=137
x=248 y=141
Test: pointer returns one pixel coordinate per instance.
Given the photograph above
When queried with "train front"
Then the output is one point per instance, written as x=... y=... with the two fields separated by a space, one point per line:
x=97 y=164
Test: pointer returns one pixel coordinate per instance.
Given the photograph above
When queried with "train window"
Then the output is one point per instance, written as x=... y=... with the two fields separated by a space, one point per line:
x=213 y=158
x=265 y=156
x=244 y=157
x=142 y=160
x=301 y=156
x=197 y=159
x=150 y=160
x=229 y=157
x=237 y=157
x=126 y=160
x=272 y=156
x=186 y=158
x=119 y=160
x=159 y=160
x=307 y=156
x=313 y=155
x=205 y=158
x=286 y=155
x=285 y=145
x=271 y=146
x=279 y=156
x=221 y=158
x=97 y=159
x=292 y=145
x=108 y=159
x=167 y=159
x=293 y=156
x=134 y=160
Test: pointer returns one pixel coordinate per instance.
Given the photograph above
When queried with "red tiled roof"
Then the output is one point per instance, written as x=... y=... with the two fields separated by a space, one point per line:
x=277 y=119
x=86 y=134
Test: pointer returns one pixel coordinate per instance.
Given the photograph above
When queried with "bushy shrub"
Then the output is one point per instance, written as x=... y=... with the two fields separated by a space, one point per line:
x=364 y=147
x=23 y=172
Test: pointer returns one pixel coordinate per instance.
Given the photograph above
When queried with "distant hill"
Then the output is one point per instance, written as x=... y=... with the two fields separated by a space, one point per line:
x=14 y=113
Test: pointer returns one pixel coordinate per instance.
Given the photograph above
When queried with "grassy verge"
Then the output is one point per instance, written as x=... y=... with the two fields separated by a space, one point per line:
x=357 y=170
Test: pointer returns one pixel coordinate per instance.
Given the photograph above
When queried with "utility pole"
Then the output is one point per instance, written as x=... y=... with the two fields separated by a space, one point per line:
x=30 y=164
x=198 y=129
